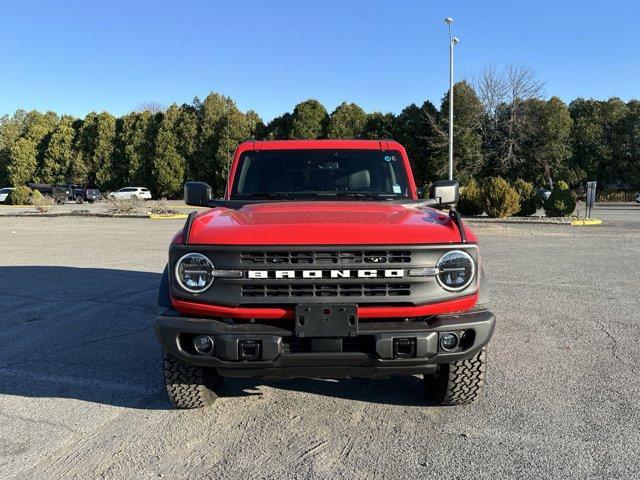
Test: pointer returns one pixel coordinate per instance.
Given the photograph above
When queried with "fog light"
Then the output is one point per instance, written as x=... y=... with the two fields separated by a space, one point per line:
x=203 y=344
x=449 y=341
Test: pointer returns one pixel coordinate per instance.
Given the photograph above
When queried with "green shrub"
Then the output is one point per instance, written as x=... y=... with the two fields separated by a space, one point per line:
x=561 y=185
x=500 y=199
x=559 y=204
x=528 y=199
x=470 y=202
x=19 y=196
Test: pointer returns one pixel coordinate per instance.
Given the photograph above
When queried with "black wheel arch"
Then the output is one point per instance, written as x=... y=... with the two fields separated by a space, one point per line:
x=164 y=300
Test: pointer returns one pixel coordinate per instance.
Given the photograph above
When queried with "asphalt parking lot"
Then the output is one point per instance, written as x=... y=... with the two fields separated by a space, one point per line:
x=81 y=395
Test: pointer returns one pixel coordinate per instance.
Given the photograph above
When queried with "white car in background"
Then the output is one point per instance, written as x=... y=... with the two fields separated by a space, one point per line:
x=140 y=193
x=638 y=198
x=4 y=193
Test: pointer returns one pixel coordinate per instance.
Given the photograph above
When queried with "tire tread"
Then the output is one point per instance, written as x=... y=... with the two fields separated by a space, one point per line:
x=458 y=383
x=189 y=386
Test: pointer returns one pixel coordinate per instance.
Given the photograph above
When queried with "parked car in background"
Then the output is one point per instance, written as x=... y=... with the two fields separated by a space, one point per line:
x=140 y=193
x=543 y=193
x=638 y=198
x=43 y=188
x=4 y=193
x=88 y=195
x=75 y=193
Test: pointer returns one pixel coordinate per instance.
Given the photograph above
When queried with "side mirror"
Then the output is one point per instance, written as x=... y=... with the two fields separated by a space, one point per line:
x=197 y=194
x=445 y=192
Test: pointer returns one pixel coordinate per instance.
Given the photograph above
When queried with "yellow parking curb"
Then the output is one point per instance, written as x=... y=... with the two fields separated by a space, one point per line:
x=174 y=216
x=586 y=222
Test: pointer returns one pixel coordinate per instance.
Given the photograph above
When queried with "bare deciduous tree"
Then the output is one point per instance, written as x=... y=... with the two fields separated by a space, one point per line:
x=503 y=94
x=151 y=107
x=491 y=87
x=523 y=83
x=510 y=85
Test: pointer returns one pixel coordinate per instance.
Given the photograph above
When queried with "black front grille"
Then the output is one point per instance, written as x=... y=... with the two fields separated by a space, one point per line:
x=325 y=258
x=325 y=290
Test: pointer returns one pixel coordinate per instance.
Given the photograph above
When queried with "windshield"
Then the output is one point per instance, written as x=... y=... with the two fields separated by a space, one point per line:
x=312 y=174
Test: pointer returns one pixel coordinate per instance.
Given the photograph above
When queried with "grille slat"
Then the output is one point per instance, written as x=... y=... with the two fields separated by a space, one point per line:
x=356 y=257
x=326 y=290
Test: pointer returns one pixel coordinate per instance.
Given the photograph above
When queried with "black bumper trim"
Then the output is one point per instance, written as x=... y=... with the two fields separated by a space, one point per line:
x=280 y=363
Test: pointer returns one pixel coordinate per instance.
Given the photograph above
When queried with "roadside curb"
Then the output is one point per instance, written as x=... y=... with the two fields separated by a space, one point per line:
x=519 y=221
x=154 y=216
x=586 y=222
x=567 y=222
x=75 y=214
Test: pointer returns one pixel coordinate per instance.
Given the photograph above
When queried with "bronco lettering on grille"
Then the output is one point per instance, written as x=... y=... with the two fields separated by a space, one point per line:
x=364 y=273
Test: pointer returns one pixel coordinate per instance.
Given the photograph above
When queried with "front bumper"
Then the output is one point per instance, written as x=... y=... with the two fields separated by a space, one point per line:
x=381 y=348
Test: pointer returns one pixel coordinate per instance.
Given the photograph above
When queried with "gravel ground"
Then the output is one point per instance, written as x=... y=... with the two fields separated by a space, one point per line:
x=81 y=394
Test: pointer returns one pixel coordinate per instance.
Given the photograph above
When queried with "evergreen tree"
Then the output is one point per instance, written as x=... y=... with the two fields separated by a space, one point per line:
x=11 y=129
x=188 y=132
x=257 y=126
x=280 y=127
x=27 y=153
x=309 y=120
x=223 y=127
x=95 y=144
x=135 y=140
x=103 y=155
x=348 y=120
x=168 y=165
x=598 y=139
x=546 y=146
x=23 y=162
x=417 y=129
x=380 y=126
x=468 y=116
x=59 y=154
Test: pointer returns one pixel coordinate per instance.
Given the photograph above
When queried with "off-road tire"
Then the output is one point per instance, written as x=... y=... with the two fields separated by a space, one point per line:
x=189 y=386
x=79 y=200
x=457 y=383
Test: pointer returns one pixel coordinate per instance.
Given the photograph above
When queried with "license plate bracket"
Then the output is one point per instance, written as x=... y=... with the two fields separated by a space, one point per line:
x=335 y=320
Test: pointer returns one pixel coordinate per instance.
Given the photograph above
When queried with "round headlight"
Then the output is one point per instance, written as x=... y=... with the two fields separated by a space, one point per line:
x=194 y=272
x=455 y=270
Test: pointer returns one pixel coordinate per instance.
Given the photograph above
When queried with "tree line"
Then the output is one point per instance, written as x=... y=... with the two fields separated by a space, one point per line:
x=503 y=127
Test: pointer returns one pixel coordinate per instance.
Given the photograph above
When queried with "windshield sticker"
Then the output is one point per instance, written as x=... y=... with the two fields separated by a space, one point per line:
x=397 y=189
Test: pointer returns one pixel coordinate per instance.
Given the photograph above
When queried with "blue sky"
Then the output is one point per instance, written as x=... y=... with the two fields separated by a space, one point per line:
x=78 y=56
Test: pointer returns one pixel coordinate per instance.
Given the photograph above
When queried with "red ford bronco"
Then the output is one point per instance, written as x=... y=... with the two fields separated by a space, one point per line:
x=323 y=261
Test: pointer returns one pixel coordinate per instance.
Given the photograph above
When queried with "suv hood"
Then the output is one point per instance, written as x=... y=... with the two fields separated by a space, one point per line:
x=324 y=223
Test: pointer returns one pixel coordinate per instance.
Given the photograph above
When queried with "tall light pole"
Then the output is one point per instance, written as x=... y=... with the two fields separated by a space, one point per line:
x=452 y=42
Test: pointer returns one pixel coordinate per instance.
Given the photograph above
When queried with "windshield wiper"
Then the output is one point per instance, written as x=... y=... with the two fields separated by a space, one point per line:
x=269 y=195
x=358 y=195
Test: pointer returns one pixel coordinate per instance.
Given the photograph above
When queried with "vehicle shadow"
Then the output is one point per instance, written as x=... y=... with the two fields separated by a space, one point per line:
x=88 y=334
x=83 y=333
x=396 y=390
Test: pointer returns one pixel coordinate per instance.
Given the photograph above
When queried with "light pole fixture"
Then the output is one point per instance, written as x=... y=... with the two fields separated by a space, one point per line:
x=452 y=42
